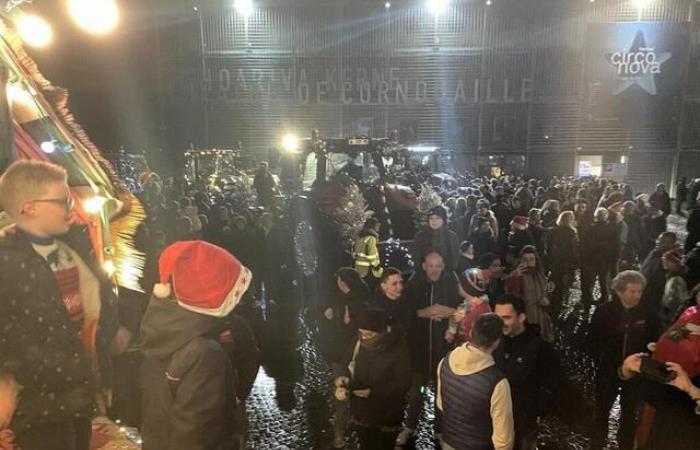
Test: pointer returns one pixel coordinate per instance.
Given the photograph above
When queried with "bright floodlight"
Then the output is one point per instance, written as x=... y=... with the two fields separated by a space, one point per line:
x=437 y=6
x=95 y=16
x=244 y=7
x=34 y=30
x=290 y=143
x=641 y=4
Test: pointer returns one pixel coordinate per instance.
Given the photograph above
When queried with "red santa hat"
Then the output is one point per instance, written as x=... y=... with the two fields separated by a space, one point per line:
x=204 y=278
x=519 y=222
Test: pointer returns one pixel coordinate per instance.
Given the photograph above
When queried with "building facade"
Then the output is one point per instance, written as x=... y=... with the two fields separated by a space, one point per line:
x=541 y=87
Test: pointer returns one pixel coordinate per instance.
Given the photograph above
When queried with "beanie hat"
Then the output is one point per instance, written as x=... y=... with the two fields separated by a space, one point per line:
x=372 y=319
x=204 y=278
x=519 y=222
x=473 y=282
x=438 y=211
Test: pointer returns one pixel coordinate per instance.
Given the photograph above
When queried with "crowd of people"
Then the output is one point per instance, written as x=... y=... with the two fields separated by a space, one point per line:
x=475 y=322
x=477 y=317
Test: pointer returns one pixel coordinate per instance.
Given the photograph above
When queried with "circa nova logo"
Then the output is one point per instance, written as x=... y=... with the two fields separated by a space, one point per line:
x=637 y=65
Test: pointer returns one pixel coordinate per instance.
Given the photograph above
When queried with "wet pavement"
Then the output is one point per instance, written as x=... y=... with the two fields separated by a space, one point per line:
x=290 y=405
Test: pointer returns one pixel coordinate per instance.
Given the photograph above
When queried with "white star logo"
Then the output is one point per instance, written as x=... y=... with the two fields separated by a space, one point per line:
x=637 y=66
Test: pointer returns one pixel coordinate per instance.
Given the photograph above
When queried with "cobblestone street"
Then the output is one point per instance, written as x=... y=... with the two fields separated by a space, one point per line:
x=290 y=405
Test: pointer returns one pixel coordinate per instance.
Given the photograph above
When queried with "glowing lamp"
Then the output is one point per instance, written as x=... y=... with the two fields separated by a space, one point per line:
x=290 y=143
x=34 y=30
x=95 y=16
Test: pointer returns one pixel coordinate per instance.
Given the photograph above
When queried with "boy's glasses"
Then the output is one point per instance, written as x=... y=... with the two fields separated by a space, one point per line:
x=66 y=202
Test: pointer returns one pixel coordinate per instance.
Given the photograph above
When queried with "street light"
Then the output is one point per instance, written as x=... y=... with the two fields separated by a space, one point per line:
x=641 y=4
x=95 y=16
x=34 y=30
x=290 y=143
x=244 y=7
x=437 y=7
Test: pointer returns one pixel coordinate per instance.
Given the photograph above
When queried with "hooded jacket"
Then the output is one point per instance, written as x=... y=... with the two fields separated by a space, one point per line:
x=465 y=363
x=385 y=370
x=189 y=389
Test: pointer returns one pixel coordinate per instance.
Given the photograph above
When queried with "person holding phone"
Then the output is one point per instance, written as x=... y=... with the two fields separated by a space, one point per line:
x=619 y=328
x=528 y=282
x=677 y=402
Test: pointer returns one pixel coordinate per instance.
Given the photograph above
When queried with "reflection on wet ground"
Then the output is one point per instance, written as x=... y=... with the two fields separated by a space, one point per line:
x=290 y=404
x=290 y=407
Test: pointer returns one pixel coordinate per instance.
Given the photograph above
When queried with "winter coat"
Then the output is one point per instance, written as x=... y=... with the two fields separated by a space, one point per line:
x=617 y=332
x=401 y=313
x=693 y=227
x=599 y=245
x=675 y=294
x=661 y=201
x=635 y=235
x=517 y=239
x=385 y=370
x=533 y=370
x=428 y=345
x=337 y=334
x=655 y=275
x=531 y=286
x=562 y=249
x=484 y=242
x=442 y=240
x=189 y=399
x=40 y=346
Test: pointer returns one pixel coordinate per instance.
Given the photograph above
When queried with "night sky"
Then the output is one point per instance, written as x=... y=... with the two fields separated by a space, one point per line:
x=111 y=79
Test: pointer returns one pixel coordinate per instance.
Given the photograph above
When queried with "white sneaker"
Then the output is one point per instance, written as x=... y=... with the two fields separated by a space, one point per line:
x=403 y=437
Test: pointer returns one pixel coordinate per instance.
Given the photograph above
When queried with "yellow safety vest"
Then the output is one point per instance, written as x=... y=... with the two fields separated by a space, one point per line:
x=367 y=256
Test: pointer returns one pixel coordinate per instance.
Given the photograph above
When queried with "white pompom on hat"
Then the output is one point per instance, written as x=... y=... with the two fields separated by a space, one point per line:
x=203 y=278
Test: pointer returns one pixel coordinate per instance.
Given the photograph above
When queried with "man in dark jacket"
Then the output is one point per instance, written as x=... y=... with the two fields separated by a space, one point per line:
x=190 y=391
x=531 y=366
x=654 y=272
x=619 y=328
x=59 y=316
x=264 y=185
x=437 y=237
x=599 y=254
x=661 y=200
x=693 y=227
x=434 y=293
x=376 y=380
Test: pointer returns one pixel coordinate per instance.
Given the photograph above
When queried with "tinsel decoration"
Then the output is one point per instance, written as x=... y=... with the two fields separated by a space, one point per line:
x=394 y=254
x=427 y=200
x=352 y=214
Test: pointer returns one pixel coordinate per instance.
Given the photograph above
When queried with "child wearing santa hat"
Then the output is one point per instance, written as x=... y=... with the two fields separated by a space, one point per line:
x=188 y=382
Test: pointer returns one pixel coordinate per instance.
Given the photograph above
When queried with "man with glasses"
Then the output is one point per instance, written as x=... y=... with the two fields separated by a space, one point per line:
x=58 y=316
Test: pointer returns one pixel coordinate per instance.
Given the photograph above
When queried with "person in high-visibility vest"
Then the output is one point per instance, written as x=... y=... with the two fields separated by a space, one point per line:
x=366 y=253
